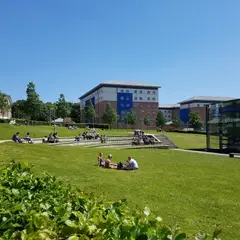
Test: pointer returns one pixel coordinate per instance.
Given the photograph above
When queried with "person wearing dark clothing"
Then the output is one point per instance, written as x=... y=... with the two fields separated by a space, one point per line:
x=16 y=138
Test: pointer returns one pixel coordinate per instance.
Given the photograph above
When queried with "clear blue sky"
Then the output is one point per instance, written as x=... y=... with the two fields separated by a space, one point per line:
x=188 y=47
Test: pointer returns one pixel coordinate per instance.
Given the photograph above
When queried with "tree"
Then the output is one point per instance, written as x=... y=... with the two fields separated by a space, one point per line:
x=19 y=109
x=195 y=120
x=4 y=104
x=63 y=107
x=160 y=119
x=33 y=104
x=90 y=112
x=176 y=123
x=130 y=118
x=110 y=116
x=147 y=122
x=75 y=112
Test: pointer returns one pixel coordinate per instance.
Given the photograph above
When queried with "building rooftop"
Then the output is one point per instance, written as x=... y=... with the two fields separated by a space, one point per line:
x=207 y=99
x=119 y=84
x=169 y=106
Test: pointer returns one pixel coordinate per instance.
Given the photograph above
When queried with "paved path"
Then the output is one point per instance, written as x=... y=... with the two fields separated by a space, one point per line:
x=201 y=152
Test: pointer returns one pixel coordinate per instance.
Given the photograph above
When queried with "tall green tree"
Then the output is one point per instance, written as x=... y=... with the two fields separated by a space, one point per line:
x=90 y=113
x=75 y=112
x=33 y=103
x=195 y=120
x=147 y=122
x=63 y=107
x=130 y=118
x=4 y=104
x=160 y=119
x=19 y=109
x=110 y=115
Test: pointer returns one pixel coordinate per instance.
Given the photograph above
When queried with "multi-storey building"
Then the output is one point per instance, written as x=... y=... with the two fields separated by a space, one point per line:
x=170 y=111
x=198 y=104
x=141 y=98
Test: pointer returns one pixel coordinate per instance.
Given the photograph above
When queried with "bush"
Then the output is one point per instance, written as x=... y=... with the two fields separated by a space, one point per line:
x=5 y=120
x=42 y=208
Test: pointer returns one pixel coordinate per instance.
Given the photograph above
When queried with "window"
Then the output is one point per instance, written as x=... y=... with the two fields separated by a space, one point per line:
x=148 y=92
x=169 y=116
x=169 y=111
x=198 y=105
x=140 y=91
x=140 y=105
x=148 y=98
x=153 y=98
x=153 y=105
x=128 y=105
x=149 y=105
x=135 y=98
x=141 y=98
x=122 y=98
x=122 y=90
x=127 y=91
x=127 y=98
x=122 y=105
x=154 y=92
x=135 y=91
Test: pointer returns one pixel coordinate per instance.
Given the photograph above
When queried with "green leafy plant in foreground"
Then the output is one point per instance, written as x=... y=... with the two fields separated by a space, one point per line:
x=35 y=208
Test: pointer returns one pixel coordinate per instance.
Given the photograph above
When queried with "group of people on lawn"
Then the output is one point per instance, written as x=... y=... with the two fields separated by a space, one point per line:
x=52 y=138
x=17 y=139
x=131 y=163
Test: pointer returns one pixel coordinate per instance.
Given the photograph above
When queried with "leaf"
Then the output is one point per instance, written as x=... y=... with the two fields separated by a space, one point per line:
x=71 y=224
x=74 y=237
x=181 y=236
x=15 y=191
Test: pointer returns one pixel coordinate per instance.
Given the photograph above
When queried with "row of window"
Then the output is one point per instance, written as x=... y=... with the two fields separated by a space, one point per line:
x=136 y=105
x=139 y=91
x=140 y=98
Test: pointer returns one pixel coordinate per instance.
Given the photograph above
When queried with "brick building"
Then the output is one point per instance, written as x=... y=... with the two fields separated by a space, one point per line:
x=170 y=111
x=198 y=104
x=141 y=98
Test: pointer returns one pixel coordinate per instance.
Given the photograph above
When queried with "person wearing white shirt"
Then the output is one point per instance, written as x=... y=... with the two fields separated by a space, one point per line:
x=132 y=164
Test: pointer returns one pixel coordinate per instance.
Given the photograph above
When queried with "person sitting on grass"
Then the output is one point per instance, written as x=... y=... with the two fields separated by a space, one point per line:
x=101 y=162
x=16 y=138
x=131 y=164
x=108 y=162
x=56 y=139
x=28 y=138
x=45 y=139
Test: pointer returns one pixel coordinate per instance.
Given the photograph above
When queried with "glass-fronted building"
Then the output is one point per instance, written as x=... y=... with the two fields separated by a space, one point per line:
x=223 y=126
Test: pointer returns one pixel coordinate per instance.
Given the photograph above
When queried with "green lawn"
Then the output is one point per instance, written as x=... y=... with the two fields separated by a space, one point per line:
x=180 y=139
x=194 y=190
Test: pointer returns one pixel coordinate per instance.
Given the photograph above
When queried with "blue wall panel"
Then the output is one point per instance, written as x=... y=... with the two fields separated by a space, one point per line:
x=230 y=109
x=124 y=104
x=184 y=115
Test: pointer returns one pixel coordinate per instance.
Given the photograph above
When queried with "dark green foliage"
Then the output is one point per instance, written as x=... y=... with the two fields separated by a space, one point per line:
x=19 y=109
x=130 y=118
x=75 y=112
x=195 y=120
x=34 y=207
x=63 y=107
x=33 y=104
x=110 y=115
x=160 y=120
x=90 y=113
x=146 y=121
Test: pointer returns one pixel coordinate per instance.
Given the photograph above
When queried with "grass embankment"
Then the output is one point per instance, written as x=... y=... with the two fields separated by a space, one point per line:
x=181 y=140
x=194 y=190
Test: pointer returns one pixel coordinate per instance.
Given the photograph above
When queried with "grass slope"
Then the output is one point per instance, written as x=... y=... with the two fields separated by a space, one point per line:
x=180 y=139
x=194 y=190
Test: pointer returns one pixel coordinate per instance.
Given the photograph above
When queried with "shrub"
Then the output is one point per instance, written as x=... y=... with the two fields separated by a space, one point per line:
x=35 y=208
